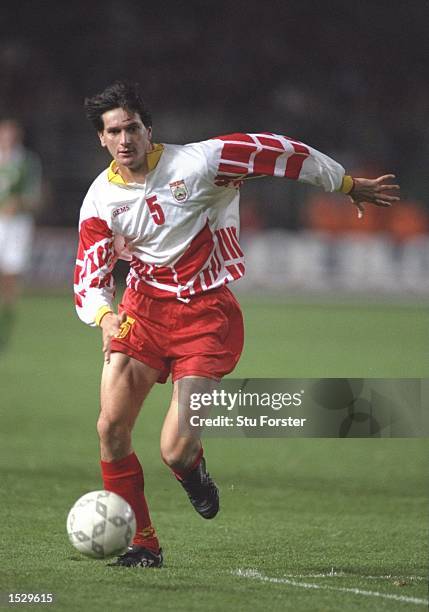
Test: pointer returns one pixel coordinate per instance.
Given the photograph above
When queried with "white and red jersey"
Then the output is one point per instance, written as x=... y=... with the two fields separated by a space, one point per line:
x=180 y=229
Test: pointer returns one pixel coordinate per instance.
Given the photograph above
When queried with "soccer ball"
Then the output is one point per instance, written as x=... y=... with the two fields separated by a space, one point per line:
x=100 y=524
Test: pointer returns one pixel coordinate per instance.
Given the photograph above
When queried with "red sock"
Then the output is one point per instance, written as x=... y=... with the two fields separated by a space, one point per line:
x=125 y=477
x=181 y=474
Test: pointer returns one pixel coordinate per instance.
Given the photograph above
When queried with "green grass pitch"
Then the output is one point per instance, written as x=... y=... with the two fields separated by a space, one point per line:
x=306 y=525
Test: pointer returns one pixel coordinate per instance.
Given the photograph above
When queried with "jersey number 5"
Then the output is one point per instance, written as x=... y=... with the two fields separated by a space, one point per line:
x=156 y=211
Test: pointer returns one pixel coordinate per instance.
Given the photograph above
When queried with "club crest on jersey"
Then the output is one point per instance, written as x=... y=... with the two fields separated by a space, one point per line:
x=179 y=191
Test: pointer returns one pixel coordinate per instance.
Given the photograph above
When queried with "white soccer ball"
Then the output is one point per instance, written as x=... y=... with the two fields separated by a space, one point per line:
x=101 y=523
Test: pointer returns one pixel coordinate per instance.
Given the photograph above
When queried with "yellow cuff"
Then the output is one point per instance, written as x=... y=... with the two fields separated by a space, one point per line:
x=347 y=184
x=100 y=314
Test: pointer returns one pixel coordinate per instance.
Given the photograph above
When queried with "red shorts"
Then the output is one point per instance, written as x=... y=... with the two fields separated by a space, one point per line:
x=203 y=337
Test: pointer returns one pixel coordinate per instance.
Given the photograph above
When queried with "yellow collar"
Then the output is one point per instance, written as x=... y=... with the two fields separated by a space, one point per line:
x=152 y=157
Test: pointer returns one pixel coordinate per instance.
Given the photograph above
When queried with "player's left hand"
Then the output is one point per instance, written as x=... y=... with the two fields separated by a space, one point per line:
x=373 y=191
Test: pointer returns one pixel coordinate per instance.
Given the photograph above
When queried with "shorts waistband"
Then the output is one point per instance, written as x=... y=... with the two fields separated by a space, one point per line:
x=158 y=294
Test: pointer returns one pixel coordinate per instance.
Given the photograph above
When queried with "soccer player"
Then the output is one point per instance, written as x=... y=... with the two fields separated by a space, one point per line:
x=20 y=186
x=172 y=211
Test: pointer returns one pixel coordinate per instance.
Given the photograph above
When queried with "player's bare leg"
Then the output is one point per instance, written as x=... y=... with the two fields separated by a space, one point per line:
x=179 y=450
x=182 y=451
x=125 y=384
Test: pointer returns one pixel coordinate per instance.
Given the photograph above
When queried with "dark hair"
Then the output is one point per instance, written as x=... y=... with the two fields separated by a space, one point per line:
x=119 y=95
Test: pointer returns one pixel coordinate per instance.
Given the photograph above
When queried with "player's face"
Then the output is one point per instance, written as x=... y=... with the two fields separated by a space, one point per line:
x=126 y=138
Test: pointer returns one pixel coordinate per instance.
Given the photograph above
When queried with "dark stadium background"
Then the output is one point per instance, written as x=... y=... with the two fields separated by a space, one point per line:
x=349 y=78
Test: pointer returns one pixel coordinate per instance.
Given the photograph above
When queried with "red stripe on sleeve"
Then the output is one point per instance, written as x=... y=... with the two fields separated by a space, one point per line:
x=96 y=256
x=296 y=160
x=271 y=142
x=236 y=136
x=237 y=152
x=265 y=161
x=240 y=170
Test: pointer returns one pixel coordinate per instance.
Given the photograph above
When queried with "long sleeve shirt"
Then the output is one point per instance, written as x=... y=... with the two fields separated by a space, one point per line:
x=180 y=229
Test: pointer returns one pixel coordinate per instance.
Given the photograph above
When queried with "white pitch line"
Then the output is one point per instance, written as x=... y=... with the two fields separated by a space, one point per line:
x=256 y=575
x=335 y=574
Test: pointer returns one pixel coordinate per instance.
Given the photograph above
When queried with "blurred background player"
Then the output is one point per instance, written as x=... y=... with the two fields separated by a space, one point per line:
x=20 y=187
x=175 y=210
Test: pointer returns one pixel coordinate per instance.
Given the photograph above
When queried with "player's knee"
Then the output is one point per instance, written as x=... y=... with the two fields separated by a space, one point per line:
x=110 y=429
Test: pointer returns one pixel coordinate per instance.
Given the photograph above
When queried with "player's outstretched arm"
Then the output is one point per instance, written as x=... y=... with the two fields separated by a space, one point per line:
x=374 y=191
x=110 y=324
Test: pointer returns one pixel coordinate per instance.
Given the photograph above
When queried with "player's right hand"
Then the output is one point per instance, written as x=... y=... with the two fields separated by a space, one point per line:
x=111 y=324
